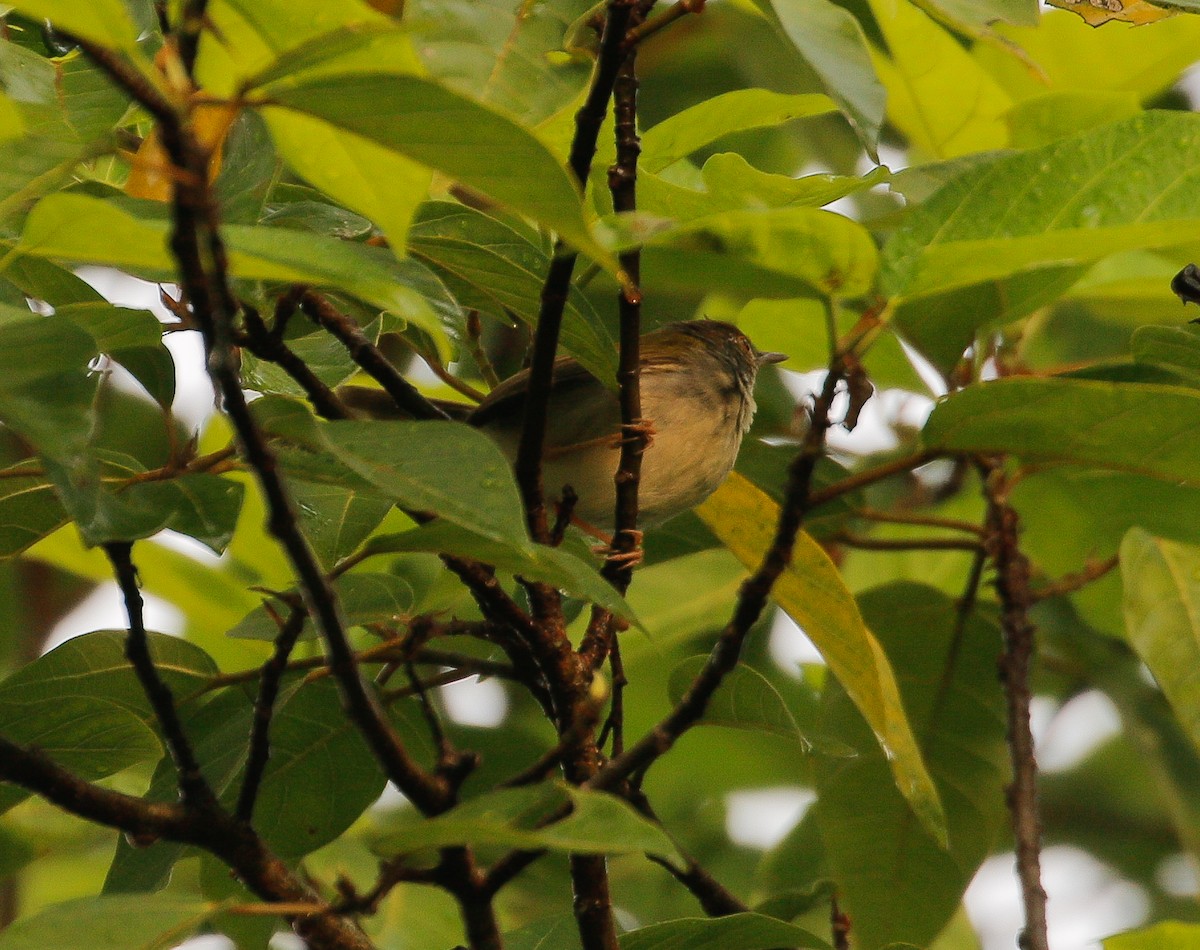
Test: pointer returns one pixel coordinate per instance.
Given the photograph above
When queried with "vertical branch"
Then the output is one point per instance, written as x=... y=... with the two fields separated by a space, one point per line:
x=1012 y=584
x=752 y=598
x=191 y=24
x=264 y=710
x=200 y=254
x=622 y=183
x=193 y=786
x=557 y=287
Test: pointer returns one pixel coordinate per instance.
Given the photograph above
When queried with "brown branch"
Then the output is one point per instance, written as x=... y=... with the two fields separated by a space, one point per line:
x=192 y=21
x=557 y=286
x=193 y=786
x=368 y=356
x=903 y=544
x=751 y=601
x=601 y=637
x=716 y=899
x=1012 y=584
x=264 y=709
x=677 y=11
x=269 y=346
x=197 y=247
x=478 y=353
x=1069 y=583
x=870 y=476
x=214 y=831
x=924 y=521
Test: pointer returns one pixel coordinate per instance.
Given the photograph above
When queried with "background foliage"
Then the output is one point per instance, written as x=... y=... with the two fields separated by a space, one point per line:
x=985 y=203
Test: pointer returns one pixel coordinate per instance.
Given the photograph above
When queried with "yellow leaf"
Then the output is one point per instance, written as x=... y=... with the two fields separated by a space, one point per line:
x=1099 y=12
x=150 y=174
x=938 y=96
x=812 y=593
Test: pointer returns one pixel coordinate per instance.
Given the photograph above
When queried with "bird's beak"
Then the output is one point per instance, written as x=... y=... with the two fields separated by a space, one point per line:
x=769 y=357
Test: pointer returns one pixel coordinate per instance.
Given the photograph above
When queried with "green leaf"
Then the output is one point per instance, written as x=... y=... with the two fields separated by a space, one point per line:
x=898 y=884
x=276 y=40
x=1074 y=56
x=79 y=228
x=730 y=178
x=413 y=117
x=445 y=468
x=84 y=706
x=938 y=96
x=1176 y=348
x=746 y=700
x=554 y=566
x=744 y=931
x=1168 y=935
x=981 y=13
x=813 y=594
x=494 y=267
x=511 y=57
x=336 y=520
x=943 y=325
x=365 y=598
x=354 y=171
x=831 y=41
x=93 y=666
x=106 y=22
x=1162 y=621
x=599 y=823
x=90 y=737
x=104 y=923
x=29 y=507
x=1124 y=186
x=1104 y=425
x=1042 y=120
x=787 y=252
x=692 y=129
x=321 y=775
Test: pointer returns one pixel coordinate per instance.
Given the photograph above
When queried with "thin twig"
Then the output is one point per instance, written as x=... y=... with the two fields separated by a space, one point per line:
x=264 y=709
x=716 y=899
x=460 y=386
x=870 y=476
x=193 y=786
x=1069 y=583
x=924 y=521
x=270 y=347
x=903 y=544
x=368 y=356
x=677 y=11
x=478 y=353
x=1012 y=584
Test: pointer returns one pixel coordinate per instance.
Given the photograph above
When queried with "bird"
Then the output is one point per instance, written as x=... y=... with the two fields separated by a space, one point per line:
x=697 y=389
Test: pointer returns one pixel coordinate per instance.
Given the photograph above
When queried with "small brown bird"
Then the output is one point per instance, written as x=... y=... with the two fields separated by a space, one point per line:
x=697 y=386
